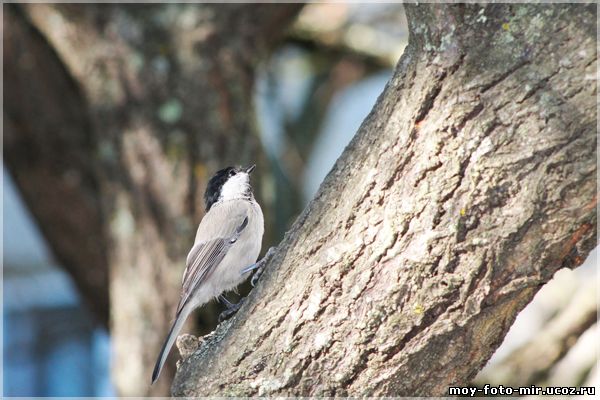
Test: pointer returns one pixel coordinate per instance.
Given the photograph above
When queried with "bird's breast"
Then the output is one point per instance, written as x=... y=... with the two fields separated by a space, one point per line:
x=244 y=251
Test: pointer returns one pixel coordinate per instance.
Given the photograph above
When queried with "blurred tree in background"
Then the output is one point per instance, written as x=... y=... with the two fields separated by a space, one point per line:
x=115 y=116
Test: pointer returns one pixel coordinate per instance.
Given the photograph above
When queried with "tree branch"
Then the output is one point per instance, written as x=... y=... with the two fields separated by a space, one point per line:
x=470 y=183
x=49 y=145
x=530 y=363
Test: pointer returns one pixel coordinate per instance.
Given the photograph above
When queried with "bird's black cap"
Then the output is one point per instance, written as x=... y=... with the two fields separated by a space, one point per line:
x=215 y=184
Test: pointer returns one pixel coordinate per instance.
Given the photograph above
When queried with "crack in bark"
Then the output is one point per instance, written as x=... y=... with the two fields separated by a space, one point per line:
x=538 y=86
x=505 y=75
x=429 y=100
x=429 y=318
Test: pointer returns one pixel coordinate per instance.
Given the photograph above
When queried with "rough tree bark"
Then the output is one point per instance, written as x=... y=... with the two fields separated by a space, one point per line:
x=116 y=114
x=470 y=183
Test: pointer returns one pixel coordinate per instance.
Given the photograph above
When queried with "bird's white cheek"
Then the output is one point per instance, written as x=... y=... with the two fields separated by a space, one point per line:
x=235 y=187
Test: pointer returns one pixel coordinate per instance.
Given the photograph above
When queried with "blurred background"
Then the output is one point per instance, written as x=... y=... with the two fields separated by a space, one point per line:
x=311 y=92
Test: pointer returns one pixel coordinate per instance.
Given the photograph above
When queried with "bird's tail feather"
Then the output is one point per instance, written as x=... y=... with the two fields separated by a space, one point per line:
x=164 y=352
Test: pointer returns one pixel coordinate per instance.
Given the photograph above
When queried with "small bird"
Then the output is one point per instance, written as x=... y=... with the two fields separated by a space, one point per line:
x=226 y=247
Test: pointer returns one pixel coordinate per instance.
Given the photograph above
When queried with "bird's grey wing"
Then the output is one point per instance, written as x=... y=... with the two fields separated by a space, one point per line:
x=204 y=258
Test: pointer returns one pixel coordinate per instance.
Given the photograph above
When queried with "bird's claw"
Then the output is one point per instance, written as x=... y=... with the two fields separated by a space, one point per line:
x=256 y=276
x=231 y=309
x=260 y=266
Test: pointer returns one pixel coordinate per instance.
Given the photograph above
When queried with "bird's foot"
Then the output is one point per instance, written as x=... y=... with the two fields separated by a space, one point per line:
x=231 y=308
x=256 y=276
x=224 y=300
x=258 y=267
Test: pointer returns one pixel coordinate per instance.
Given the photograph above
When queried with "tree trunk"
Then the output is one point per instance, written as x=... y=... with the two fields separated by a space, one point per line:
x=117 y=115
x=470 y=183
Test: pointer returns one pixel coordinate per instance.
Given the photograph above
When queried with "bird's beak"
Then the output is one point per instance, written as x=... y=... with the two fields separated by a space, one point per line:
x=251 y=168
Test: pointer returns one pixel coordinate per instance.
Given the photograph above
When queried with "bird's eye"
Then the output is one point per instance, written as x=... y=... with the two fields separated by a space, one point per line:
x=231 y=173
